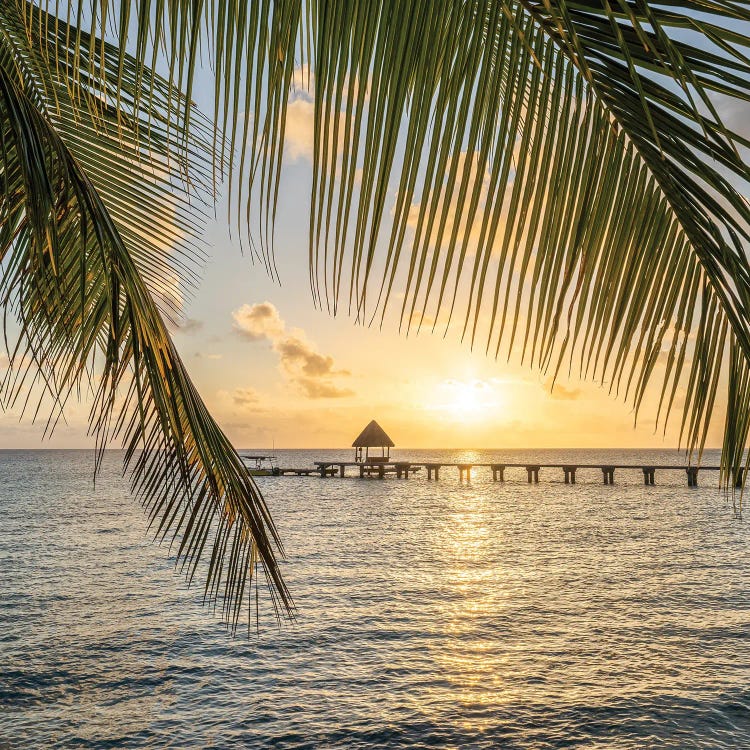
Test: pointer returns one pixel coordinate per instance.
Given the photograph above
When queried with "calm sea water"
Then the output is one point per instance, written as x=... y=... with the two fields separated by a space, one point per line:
x=431 y=614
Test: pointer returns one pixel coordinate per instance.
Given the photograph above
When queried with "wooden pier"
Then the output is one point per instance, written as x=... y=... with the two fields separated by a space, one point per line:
x=370 y=465
x=403 y=469
x=286 y=472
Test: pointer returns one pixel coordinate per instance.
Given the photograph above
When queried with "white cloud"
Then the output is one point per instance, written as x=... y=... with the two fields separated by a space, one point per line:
x=309 y=370
x=303 y=81
x=299 y=130
x=189 y=325
x=258 y=321
x=313 y=388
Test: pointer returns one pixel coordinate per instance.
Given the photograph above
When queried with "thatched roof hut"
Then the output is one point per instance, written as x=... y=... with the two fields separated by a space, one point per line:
x=373 y=436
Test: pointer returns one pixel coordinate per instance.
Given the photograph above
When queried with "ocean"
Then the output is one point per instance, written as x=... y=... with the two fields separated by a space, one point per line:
x=429 y=614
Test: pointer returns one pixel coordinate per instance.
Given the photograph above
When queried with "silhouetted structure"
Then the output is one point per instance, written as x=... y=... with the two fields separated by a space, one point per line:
x=380 y=466
x=373 y=436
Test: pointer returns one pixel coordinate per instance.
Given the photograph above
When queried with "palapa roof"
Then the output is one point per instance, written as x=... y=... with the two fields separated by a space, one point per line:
x=373 y=436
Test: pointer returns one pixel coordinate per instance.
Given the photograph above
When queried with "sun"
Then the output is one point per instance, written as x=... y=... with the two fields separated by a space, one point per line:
x=467 y=400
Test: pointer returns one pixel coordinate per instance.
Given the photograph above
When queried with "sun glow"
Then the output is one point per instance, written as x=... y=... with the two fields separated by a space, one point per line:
x=468 y=400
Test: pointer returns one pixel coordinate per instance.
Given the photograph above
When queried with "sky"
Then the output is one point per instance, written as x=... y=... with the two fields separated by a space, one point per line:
x=276 y=371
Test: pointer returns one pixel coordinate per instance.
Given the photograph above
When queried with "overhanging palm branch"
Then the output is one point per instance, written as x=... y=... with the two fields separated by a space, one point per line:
x=93 y=201
x=554 y=177
x=560 y=169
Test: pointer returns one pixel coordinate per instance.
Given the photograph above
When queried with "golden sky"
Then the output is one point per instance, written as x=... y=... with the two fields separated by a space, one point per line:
x=273 y=369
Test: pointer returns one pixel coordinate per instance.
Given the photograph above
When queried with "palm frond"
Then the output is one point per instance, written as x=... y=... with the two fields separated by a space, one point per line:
x=563 y=180
x=152 y=171
x=553 y=177
x=76 y=257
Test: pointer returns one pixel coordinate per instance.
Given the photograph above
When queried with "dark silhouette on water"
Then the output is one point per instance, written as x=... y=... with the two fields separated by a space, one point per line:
x=380 y=467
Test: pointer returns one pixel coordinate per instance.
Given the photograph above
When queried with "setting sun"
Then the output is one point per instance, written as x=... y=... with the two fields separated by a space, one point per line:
x=467 y=400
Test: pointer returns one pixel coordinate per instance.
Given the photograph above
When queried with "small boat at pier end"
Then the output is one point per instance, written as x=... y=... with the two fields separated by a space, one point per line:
x=262 y=466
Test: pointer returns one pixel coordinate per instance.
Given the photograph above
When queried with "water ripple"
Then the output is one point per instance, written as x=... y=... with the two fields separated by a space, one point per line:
x=432 y=614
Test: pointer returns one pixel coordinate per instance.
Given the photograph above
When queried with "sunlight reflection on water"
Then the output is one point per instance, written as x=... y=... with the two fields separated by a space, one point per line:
x=463 y=614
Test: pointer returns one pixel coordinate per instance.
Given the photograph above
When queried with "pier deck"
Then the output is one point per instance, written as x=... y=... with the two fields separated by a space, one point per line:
x=402 y=470
x=286 y=472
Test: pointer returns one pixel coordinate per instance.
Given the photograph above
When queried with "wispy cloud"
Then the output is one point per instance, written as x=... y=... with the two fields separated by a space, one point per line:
x=304 y=366
x=189 y=325
x=313 y=388
x=560 y=392
x=245 y=396
x=201 y=355
x=298 y=354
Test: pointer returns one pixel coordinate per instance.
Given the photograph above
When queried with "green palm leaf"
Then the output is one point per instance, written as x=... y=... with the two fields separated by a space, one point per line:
x=568 y=166
x=553 y=178
x=94 y=197
x=577 y=195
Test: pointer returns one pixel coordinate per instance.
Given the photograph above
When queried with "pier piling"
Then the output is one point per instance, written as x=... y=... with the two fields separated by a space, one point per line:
x=570 y=474
x=608 y=474
x=464 y=469
x=532 y=473
x=402 y=469
x=648 y=475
